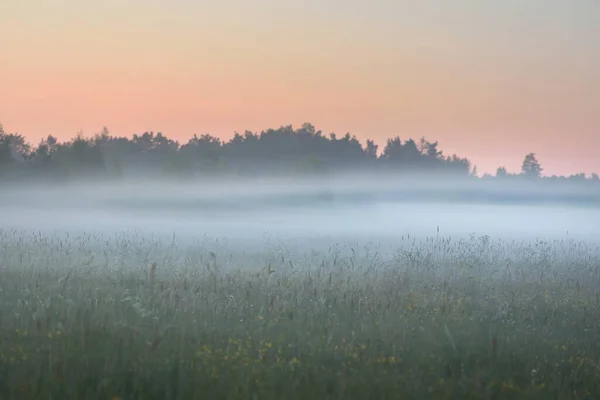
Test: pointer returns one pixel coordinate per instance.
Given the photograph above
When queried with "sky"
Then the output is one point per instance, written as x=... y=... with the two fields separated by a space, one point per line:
x=489 y=80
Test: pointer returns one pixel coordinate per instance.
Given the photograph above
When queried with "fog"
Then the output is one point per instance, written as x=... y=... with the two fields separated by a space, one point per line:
x=325 y=210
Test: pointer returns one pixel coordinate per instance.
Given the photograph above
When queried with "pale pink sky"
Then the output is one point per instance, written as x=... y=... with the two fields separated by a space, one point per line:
x=489 y=80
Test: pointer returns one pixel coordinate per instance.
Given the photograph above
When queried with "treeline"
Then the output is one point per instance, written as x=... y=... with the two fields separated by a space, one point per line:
x=272 y=152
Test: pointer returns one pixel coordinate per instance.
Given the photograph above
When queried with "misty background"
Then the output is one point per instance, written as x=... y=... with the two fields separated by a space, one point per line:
x=315 y=216
x=290 y=184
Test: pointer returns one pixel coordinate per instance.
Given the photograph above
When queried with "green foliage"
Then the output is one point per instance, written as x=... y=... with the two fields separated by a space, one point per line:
x=128 y=317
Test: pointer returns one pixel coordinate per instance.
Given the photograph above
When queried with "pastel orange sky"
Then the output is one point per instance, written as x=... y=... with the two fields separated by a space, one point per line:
x=490 y=80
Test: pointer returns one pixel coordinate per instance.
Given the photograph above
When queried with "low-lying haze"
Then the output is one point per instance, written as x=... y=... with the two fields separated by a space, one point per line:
x=339 y=209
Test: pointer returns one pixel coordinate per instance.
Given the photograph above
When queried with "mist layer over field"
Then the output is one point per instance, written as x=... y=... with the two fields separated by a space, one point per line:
x=333 y=210
x=317 y=289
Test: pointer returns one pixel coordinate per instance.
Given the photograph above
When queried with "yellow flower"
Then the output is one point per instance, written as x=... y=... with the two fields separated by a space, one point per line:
x=205 y=349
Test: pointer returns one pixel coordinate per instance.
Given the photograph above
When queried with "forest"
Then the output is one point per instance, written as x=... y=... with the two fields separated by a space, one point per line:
x=282 y=151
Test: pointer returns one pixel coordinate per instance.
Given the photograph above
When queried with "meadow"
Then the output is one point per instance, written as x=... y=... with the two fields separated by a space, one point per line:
x=126 y=315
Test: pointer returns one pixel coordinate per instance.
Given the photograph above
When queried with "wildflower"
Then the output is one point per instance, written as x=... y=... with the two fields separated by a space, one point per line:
x=206 y=349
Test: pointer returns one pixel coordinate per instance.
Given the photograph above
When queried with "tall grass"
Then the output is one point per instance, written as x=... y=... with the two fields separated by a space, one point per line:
x=131 y=317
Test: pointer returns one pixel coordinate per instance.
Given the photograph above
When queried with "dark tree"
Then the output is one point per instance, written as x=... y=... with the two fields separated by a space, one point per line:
x=284 y=150
x=531 y=167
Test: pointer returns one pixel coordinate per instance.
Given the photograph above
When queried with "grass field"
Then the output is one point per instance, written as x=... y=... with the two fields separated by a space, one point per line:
x=130 y=317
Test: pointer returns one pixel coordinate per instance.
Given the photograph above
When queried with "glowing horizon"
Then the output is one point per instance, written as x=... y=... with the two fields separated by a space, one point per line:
x=490 y=82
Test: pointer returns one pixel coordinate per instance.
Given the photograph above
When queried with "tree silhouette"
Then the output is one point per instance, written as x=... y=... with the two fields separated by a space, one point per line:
x=531 y=167
x=371 y=150
x=284 y=150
